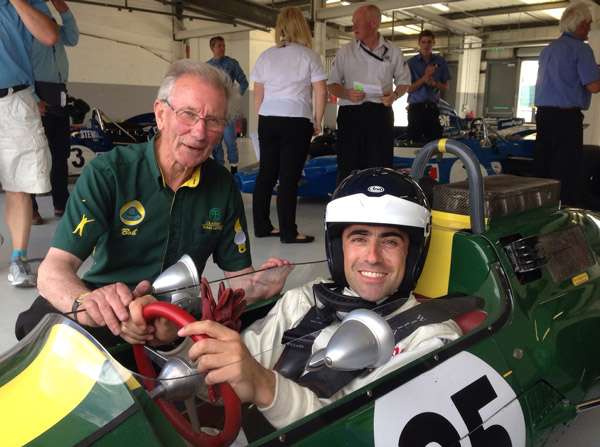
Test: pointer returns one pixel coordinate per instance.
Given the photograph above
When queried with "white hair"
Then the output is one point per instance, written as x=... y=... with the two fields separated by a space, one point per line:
x=205 y=72
x=574 y=15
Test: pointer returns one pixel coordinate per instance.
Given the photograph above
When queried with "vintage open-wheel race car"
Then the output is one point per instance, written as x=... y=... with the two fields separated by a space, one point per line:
x=524 y=368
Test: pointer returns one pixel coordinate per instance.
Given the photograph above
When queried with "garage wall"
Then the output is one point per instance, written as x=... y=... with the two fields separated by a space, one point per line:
x=120 y=59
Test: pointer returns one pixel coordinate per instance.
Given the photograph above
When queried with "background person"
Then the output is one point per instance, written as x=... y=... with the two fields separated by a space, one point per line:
x=51 y=71
x=365 y=119
x=284 y=77
x=567 y=77
x=138 y=209
x=429 y=75
x=376 y=241
x=235 y=72
x=24 y=155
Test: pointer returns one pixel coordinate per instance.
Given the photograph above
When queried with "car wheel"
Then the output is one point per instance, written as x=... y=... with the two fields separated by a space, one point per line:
x=590 y=187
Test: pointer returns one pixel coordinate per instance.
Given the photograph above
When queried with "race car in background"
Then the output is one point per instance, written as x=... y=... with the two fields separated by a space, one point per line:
x=502 y=146
x=102 y=134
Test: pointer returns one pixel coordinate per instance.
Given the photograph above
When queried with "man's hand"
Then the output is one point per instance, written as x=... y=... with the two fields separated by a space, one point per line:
x=429 y=70
x=43 y=107
x=388 y=98
x=356 y=95
x=262 y=284
x=224 y=358
x=136 y=330
x=107 y=306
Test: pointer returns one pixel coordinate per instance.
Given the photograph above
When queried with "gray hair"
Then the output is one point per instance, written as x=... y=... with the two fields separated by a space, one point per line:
x=574 y=15
x=206 y=73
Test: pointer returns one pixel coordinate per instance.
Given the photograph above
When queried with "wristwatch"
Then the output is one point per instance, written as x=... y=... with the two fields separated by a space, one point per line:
x=77 y=303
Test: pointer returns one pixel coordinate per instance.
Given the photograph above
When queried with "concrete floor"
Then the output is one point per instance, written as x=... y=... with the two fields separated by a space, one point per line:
x=585 y=432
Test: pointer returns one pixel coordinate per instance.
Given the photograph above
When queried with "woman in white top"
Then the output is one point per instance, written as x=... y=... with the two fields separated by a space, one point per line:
x=284 y=77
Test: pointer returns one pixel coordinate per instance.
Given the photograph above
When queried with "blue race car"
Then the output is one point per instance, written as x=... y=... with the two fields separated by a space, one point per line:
x=502 y=146
x=102 y=134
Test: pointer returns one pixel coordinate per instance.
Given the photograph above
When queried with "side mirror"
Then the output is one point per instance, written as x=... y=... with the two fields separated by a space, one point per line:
x=363 y=340
x=179 y=284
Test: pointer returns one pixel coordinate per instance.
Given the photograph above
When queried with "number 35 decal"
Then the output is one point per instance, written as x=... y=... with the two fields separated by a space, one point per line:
x=462 y=398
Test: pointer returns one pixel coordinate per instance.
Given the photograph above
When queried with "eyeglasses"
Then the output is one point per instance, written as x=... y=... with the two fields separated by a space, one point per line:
x=190 y=119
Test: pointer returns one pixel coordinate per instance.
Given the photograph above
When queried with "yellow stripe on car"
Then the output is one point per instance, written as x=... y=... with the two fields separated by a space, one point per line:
x=55 y=383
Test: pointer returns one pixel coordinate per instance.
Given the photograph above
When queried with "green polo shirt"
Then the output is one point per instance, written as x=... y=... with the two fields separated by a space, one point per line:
x=135 y=226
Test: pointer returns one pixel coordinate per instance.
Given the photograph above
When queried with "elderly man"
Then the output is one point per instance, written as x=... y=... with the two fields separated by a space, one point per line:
x=567 y=77
x=24 y=155
x=363 y=76
x=377 y=231
x=138 y=209
x=429 y=75
x=235 y=72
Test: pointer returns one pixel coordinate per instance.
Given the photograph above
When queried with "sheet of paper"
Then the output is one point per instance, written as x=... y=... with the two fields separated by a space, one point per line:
x=369 y=89
x=254 y=136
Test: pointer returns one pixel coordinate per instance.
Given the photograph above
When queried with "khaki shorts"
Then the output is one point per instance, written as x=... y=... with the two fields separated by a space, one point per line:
x=24 y=155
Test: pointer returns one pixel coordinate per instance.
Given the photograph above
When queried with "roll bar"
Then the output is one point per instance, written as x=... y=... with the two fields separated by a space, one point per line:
x=473 y=173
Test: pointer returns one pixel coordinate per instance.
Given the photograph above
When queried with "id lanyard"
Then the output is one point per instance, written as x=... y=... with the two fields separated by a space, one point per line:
x=370 y=53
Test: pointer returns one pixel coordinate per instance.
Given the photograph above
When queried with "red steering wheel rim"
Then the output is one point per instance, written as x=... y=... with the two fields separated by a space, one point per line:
x=233 y=411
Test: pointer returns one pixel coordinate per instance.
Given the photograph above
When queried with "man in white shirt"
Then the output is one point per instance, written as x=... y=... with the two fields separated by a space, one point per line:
x=367 y=76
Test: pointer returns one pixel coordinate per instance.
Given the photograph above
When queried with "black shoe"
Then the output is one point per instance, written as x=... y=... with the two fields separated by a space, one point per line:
x=296 y=240
x=233 y=169
x=271 y=234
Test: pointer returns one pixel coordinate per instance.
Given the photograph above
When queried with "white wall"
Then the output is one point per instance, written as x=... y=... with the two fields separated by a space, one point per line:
x=120 y=59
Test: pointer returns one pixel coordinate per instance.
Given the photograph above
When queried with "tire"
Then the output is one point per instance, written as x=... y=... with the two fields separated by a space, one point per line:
x=590 y=185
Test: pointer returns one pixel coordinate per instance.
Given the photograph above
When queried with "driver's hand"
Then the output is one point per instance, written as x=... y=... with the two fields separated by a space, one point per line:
x=136 y=330
x=224 y=358
x=107 y=306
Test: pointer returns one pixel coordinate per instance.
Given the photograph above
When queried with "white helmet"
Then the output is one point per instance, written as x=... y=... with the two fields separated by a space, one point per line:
x=379 y=196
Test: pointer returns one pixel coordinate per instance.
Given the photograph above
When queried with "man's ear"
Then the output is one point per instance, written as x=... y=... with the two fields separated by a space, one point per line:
x=159 y=113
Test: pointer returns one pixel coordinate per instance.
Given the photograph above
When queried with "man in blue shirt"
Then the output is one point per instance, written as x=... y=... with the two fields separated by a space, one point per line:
x=429 y=76
x=51 y=71
x=235 y=72
x=567 y=77
x=24 y=155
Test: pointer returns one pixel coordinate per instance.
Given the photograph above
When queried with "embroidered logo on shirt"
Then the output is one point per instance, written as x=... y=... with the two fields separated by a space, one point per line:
x=215 y=220
x=79 y=228
x=128 y=232
x=239 y=237
x=132 y=213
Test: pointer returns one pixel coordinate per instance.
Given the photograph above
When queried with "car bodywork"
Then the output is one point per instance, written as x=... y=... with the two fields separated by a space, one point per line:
x=102 y=134
x=525 y=366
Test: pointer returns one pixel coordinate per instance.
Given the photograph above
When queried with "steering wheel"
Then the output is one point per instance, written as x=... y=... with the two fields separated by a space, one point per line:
x=233 y=412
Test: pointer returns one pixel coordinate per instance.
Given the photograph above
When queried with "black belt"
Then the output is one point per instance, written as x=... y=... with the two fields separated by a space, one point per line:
x=424 y=105
x=559 y=108
x=17 y=88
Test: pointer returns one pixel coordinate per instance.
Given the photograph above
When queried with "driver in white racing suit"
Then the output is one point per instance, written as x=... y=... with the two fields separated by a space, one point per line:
x=377 y=233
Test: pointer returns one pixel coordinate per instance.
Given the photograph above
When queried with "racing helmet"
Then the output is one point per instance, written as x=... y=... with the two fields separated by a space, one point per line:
x=379 y=196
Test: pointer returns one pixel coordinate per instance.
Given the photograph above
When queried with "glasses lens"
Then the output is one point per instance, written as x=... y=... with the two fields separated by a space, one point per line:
x=215 y=123
x=187 y=118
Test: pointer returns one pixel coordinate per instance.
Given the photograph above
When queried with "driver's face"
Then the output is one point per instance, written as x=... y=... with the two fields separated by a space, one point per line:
x=374 y=259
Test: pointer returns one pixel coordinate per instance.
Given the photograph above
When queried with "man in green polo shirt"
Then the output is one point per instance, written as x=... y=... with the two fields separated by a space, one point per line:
x=136 y=210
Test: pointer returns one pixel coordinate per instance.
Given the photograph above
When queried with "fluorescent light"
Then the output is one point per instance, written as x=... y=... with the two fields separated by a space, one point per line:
x=441 y=6
x=556 y=13
x=406 y=29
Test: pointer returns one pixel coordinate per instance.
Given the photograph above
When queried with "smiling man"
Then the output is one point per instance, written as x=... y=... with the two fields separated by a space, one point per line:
x=137 y=209
x=377 y=233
